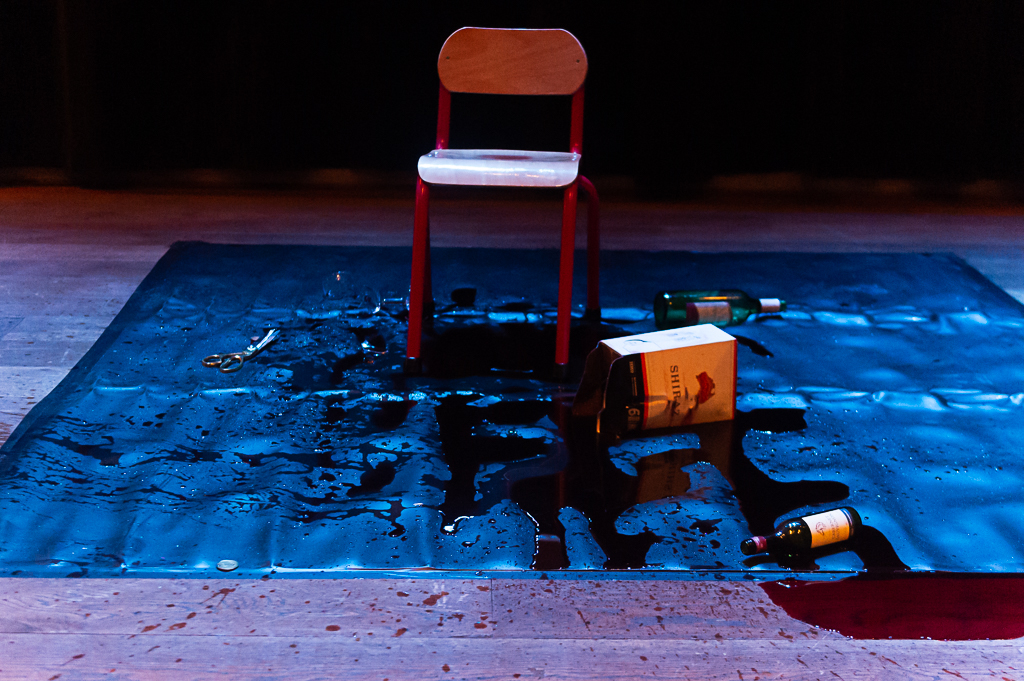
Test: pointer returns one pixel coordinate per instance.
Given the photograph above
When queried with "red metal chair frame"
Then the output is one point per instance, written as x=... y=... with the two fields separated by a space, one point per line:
x=420 y=289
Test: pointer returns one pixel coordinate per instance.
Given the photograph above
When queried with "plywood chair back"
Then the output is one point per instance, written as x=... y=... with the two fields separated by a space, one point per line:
x=509 y=61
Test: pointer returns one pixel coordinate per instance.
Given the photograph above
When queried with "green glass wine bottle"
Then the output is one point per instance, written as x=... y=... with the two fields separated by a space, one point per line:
x=728 y=307
x=809 y=532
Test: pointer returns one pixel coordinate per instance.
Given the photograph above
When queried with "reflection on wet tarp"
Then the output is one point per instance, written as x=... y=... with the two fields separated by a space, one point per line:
x=891 y=384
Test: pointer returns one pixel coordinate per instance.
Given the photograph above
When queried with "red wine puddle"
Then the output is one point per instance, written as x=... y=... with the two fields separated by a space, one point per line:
x=949 y=607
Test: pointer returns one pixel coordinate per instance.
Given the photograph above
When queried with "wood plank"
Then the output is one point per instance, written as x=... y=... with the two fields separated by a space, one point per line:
x=20 y=385
x=55 y=328
x=61 y=262
x=224 y=607
x=99 y=304
x=54 y=253
x=7 y=324
x=36 y=288
x=56 y=354
x=661 y=609
x=344 y=656
x=21 y=388
x=664 y=609
x=89 y=223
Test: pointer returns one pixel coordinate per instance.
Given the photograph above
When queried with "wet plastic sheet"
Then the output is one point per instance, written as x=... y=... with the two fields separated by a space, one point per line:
x=893 y=384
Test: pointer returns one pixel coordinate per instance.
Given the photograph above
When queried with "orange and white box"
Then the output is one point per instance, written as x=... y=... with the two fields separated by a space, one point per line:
x=664 y=379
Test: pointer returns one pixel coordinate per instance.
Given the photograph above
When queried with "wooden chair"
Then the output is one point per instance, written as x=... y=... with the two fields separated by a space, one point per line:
x=508 y=62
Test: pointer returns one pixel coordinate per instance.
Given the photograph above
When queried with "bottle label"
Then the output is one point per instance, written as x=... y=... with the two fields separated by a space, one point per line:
x=829 y=527
x=771 y=305
x=718 y=312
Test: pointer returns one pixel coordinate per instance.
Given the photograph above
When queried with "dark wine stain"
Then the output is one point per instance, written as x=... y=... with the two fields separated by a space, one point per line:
x=309 y=517
x=706 y=526
x=374 y=479
x=328 y=498
x=434 y=598
x=334 y=414
x=343 y=364
x=481 y=349
x=370 y=338
x=576 y=472
x=104 y=454
x=454 y=350
x=343 y=511
x=390 y=414
x=515 y=306
x=761 y=499
x=939 y=606
x=539 y=483
x=464 y=296
x=223 y=593
x=753 y=345
x=466 y=446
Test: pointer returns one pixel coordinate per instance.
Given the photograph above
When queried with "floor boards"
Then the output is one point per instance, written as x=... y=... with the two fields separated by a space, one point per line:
x=70 y=258
x=293 y=658
x=449 y=629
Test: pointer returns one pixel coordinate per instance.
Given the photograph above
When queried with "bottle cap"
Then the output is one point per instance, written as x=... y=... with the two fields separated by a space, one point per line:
x=754 y=545
x=771 y=305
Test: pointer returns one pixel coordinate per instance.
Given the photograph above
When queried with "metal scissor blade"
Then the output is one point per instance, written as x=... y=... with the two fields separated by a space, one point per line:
x=271 y=335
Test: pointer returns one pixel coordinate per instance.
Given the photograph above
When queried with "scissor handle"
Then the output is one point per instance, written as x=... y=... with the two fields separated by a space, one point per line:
x=227 y=363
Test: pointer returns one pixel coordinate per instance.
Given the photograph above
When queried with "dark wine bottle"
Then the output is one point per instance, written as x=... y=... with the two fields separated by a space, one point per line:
x=809 y=532
x=673 y=309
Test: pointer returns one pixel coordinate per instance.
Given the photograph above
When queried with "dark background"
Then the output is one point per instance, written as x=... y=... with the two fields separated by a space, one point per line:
x=677 y=92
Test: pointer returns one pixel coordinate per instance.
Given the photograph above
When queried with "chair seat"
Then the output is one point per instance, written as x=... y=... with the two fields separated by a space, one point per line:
x=499 y=167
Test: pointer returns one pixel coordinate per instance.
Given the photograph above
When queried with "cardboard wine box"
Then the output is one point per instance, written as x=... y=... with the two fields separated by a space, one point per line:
x=664 y=379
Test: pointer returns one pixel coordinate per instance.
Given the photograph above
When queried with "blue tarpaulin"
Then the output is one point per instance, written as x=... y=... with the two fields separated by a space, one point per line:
x=893 y=383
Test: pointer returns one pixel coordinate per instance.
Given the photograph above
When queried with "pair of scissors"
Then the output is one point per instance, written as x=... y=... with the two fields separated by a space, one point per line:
x=232 y=361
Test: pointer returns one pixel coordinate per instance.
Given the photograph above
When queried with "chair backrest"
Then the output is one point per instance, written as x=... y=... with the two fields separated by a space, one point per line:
x=512 y=61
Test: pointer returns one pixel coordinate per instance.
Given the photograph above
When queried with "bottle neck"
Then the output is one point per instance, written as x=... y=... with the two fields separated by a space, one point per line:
x=758 y=545
x=776 y=544
x=772 y=543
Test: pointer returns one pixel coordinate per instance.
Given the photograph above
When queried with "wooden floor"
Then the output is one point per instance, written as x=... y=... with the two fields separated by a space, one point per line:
x=70 y=258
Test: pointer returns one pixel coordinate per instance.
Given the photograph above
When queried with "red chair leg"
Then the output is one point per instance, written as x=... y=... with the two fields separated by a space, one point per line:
x=420 y=282
x=593 y=311
x=565 y=282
